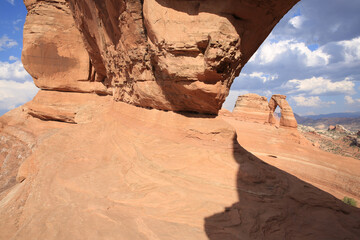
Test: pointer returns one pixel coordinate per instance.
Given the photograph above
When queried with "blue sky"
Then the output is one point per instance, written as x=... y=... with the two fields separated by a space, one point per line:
x=16 y=85
x=312 y=56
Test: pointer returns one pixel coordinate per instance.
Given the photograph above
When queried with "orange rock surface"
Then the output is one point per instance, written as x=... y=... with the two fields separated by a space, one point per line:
x=164 y=54
x=287 y=116
x=252 y=107
x=134 y=173
x=77 y=165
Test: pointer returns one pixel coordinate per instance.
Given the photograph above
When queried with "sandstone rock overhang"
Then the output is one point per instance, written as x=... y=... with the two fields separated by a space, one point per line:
x=166 y=54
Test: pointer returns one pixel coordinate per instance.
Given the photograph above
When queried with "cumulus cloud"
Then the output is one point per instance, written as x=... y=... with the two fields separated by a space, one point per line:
x=350 y=100
x=13 y=70
x=351 y=49
x=6 y=42
x=16 y=85
x=311 y=101
x=14 y=93
x=320 y=85
x=314 y=51
x=325 y=21
x=297 y=21
x=264 y=77
x=271 y=52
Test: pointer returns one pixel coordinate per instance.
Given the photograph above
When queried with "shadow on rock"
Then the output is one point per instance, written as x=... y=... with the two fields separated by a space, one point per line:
x=276 y=205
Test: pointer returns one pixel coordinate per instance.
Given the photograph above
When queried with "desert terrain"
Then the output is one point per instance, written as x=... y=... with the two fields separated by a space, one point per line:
x=124 y=140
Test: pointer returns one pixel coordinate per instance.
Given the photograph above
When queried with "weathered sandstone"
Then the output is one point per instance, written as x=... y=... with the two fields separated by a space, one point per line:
x=76 y=165
x=252 y=107
x=287 y=116
x=133 y=173
x=53 y=52
x=255 y=108
x=172 y=55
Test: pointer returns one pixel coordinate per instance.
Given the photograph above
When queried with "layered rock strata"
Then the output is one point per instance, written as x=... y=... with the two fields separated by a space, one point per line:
x=53 y=50
x=256 y=108
x=134 y=173
x=252 y=107
x=287 y=116
x=172 y=55
x=124 y=172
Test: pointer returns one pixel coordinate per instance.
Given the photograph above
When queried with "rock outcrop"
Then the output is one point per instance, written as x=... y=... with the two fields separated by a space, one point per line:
x=76 y=165
x=252 y=107
x=256 y=108
x=166 y=54
x=134 y=173
x=53 y=50
x=287 y=116
x=337 y=128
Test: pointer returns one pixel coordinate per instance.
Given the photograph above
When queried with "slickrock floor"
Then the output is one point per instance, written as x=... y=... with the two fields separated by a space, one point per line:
x=132 y=173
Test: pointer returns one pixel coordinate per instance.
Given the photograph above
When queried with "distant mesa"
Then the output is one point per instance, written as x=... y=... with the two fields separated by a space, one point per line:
x=253 y=107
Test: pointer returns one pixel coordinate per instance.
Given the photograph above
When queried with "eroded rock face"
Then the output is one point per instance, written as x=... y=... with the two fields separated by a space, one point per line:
x=173 y=55
x=53 y=52
x=287 y=116
x=256 y=108
x=252 y=107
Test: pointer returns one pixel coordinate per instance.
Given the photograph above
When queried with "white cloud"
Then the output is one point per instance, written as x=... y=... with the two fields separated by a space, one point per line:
x=350 y=100
x=14 y=93
x=320 y=85
x=312 y=101
x=6 y=42
x=13 y=70
x=12 y=58
x=12 y=2
x=351 y=49
x=334 y=54
x=297 y=21
x=272 y=51
x=263 y=76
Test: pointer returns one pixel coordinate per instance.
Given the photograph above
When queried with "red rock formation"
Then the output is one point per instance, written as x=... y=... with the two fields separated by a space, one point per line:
x=53 y=51
x=252 y=107
x=133 y=173
x=287 y=116
x=174 y=55
x=90 y=168
x=337 y=128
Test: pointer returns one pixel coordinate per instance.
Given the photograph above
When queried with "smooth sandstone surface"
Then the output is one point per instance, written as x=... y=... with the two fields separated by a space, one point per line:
x=133 y=173
x=53 y=50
